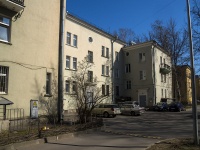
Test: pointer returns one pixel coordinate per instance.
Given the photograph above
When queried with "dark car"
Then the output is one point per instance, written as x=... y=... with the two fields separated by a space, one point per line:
x=160 y=106
x=176 y=106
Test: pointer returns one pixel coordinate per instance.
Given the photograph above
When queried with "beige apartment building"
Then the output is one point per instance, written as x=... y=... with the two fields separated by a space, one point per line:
x=198 y=87
x=184 y=84
x=147 y=73
x=29 y=43
x=100 y=48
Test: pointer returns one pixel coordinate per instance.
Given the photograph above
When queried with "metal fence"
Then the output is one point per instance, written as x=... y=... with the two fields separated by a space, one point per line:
x=40 y=128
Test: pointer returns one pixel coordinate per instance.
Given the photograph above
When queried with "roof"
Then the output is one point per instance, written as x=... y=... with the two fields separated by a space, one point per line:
x=4 y=101
x=94 y=28
x=144 y=44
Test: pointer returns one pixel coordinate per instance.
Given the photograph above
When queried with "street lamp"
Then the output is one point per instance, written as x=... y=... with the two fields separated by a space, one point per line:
x=194 y=101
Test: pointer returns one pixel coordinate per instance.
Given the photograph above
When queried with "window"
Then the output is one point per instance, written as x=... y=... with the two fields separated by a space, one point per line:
x=74 y=87
x=68 y=38
x=165 y=93
x=74 y=63
x=90 y=56
x=128 y=68
x=107 y=52
x=116 y=73
x=117 y=56
x=107 y=90
x=48 y=83
x=143 y=75
x=90 y=76
x=103 y=51
x=4 y=79
x=68 y=62
x=103 y=68
x=107 y=70
x=103 y=89
x=160 y=60
x=161 y=77
x=128 y=84
x=141 y=57
x=67 y=86
x=5 y=29
x=75 y=40
x=164 y=60
x=90 y=99
x=165 y=78
x=117 y=91
x=162 y=92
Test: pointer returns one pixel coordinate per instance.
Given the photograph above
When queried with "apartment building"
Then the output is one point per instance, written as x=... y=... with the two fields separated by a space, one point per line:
x=184 y=84
x=29 y=42
x=197 y=87
x=101 y=49
x=147 y=73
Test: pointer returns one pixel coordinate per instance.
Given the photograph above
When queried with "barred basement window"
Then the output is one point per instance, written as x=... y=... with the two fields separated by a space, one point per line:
x=4 y=79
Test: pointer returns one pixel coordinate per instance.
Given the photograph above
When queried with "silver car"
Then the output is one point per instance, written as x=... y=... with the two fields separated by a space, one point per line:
x=129 y=109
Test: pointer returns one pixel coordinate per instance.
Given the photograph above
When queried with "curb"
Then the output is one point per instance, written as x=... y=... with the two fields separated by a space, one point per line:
x=44 y=140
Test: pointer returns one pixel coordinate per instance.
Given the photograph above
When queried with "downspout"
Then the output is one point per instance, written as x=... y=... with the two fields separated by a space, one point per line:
x=112 y=70
x=154 y=74
x=60 y=60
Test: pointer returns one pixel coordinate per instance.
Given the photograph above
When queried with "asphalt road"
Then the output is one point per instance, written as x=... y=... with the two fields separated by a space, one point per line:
x=157 y=124
x=127 y=132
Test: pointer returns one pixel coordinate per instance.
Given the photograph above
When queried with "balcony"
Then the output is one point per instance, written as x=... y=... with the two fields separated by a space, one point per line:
x=13 y=5
x=165 y=69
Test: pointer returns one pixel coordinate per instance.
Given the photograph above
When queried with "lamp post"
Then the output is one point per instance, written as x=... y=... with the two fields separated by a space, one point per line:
x=194 y=100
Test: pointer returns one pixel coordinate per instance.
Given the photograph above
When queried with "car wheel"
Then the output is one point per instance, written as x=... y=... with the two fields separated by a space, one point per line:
x=132 y=113
x=179 y=110
x=106 y=114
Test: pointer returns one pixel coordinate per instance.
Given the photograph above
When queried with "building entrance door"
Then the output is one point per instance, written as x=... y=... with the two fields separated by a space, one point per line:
x=142 y=100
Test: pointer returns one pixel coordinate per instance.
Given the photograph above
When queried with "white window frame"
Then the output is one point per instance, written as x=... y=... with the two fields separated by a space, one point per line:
x=4 y=73
x=67 y=86
x=103 y=51
x=107 y=52
x=90 y=76
x=142 y=74
x=116 y=56
x=68 y=62
x=69 y=38
x=127 y=68
x=75 y=40
x=103 y=69
x=90 y=56
x=48 y=83
x=142 y=57
x=74 y=63
x=107 y=70
x=7 y=26
x=128 y=85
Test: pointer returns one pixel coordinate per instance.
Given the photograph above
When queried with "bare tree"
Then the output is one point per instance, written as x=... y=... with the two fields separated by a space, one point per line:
x=87 y=93
x=195 y=11
x=49 y=103
x=125 y=34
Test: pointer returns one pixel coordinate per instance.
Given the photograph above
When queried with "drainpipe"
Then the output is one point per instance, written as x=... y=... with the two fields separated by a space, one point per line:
x=154 y=74
x=60 y=60
x=112 y=70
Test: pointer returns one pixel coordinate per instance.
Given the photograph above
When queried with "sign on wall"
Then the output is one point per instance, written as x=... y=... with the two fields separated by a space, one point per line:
x=34 y=109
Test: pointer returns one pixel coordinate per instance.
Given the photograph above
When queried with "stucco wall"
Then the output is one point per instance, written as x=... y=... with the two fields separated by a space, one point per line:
x=32 y=53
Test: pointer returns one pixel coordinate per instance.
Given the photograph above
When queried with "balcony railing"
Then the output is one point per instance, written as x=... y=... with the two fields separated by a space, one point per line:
x=165 y=69
x=19 y=2
x=13 y=5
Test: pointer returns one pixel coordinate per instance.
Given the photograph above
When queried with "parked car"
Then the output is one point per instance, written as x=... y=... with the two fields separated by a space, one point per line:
x=107 y=110
x=129 y=109
x=176 y=106
x=160 y=106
